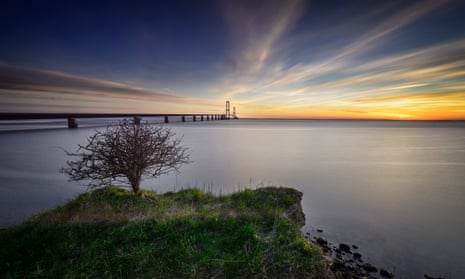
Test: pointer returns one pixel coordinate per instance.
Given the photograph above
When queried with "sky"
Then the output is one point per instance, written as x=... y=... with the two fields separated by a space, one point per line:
x=368 y=59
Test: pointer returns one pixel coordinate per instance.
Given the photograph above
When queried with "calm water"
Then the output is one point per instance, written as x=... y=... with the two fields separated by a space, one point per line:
x=395 y=189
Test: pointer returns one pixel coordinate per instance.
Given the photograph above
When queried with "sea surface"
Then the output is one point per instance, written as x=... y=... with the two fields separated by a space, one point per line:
x=396 y=189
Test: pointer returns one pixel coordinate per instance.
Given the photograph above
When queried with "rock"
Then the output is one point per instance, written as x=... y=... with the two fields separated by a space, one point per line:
x=337 y=265
x=296 y=213
x=351 y=268
x=428 y=276
x=385 y=273
x=370 y=268
x=344 y=247
x=321 y=241
x=319 y=230
x=357 y=256
x=354 y=246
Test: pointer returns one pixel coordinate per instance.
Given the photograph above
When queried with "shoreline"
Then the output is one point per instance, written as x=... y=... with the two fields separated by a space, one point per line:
x=349 y=262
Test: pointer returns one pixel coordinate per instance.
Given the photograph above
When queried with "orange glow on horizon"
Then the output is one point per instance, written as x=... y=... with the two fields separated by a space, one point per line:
x=395 y=110
x=372 y=115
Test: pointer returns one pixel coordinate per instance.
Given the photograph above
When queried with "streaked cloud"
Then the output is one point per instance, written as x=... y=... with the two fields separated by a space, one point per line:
x=420 y=68
x=257 y=26
x=26 y=79
x=386 y=28
x=297 y=58
x=19 y=85
x=335 y=81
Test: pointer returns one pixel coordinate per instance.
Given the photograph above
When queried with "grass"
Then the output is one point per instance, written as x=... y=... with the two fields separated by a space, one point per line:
x=114 y=233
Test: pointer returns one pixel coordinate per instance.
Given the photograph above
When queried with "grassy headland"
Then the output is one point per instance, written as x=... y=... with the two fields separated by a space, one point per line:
x=115 y=233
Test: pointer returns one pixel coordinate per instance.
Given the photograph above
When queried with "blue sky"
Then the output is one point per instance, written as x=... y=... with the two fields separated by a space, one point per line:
x=284 y=59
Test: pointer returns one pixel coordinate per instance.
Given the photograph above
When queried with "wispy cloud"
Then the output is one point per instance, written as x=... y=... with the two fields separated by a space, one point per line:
x=344 y=73
x=27 y=79
x=387 y=27
x=345 y=60
x=274 y=57
x=419 y=68
x=57 y=89
x=256 y=27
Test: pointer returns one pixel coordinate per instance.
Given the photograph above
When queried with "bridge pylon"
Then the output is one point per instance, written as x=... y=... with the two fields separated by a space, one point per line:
x=228 y=112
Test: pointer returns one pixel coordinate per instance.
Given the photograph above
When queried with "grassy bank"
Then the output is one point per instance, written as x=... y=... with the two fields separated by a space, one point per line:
x=115 y=233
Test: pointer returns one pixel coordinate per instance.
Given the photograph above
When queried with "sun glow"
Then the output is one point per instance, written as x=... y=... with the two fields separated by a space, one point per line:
x=445 y=106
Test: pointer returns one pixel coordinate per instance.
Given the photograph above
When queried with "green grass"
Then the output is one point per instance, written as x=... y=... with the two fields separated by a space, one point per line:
x=114 y=233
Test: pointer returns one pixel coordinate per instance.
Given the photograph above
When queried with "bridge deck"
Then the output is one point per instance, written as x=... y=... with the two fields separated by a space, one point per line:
x=26 y=116
x=73 y=117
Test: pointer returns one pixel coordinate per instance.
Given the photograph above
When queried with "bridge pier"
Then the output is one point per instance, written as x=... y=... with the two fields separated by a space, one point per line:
x=72 y=118
x=72 y=122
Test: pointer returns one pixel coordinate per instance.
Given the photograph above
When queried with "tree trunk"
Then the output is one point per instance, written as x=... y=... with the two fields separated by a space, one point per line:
x=135 y=184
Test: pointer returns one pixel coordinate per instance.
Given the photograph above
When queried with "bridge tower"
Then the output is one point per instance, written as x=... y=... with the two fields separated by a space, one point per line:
x=228 y=112
x=234 y=116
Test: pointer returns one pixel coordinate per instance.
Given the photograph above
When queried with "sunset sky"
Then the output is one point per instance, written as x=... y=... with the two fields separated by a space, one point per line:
x=280 y=59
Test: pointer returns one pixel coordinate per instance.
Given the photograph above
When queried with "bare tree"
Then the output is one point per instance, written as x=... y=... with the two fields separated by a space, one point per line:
x=126 y=153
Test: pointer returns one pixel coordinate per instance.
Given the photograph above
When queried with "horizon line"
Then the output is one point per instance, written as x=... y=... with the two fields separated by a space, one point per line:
x=346 y=119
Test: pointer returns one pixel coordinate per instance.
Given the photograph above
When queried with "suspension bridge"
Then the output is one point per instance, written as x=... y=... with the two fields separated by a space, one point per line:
x=73 y=118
